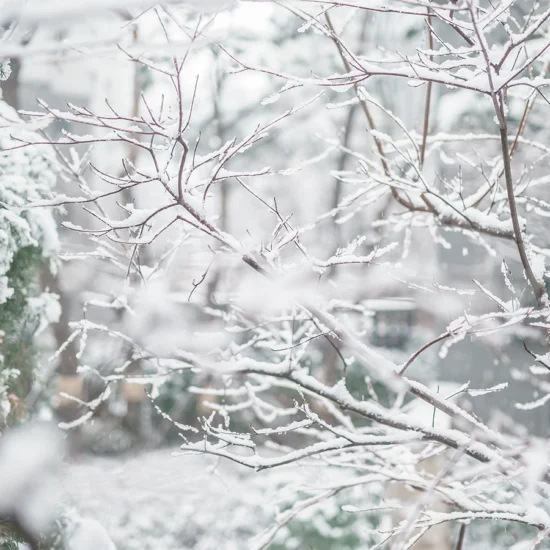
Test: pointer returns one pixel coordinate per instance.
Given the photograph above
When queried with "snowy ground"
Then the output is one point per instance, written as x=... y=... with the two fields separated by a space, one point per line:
x=163 y=502
x=158 y=501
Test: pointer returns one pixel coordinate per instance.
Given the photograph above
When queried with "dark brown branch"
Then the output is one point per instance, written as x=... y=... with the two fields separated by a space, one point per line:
x=538 y=288
x=498 y=104
x=426 y=125
x=461 y=534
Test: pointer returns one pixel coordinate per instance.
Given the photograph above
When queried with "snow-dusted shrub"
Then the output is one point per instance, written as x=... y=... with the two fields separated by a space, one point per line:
x=28 y=238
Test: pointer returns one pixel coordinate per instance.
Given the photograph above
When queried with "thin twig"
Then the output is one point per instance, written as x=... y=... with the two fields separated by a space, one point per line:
x=422 y=349
x=364 y=105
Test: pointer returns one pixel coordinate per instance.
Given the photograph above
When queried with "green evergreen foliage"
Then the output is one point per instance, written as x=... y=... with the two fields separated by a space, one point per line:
x=27 y=239
x=16 y=321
